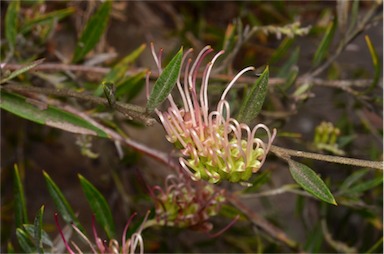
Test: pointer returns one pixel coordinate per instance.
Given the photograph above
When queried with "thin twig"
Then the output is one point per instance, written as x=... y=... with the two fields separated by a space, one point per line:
x=259 y=221
x=339 y=84
x=152 y=153
x=348 y=39
x=284 y=153
x=67 y=67
x=129 y=110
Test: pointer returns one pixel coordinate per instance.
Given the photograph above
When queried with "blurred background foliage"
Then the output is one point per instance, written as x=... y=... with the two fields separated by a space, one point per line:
x=324 y=96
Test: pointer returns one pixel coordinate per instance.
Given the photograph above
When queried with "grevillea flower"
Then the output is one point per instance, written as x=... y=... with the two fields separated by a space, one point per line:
x=99 y=246
x=214 y=145
x=185 y=204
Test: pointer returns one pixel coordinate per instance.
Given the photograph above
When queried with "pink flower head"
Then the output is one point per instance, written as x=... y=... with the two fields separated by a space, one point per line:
x=214 y=145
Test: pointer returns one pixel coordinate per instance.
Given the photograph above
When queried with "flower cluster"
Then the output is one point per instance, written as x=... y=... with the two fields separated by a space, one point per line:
x=184 y=205
x=99 y=246
x=325 y=138
x=214 y=145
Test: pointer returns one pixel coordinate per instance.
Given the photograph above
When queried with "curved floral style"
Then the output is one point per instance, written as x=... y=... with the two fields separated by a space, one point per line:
x=128 y=246
x=214 y=145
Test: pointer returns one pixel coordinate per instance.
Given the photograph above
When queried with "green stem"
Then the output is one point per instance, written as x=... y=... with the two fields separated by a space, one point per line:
x=284 y=153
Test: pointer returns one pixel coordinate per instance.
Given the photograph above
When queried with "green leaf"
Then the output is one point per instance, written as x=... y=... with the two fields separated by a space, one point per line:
x=165 y=83
x=38 y=223
x=10 y=247
x=47 y=18
x=130 y=87
x=289 y=65
x=118 y=71
x=376 y=64
x=351 y=179
x=99 y=207
x=254 y=100
x=352 y=186
x=291 y=78
x=354 y=15
x=314 y=239
x=11 y=19
x=25 y=241
x=366 y=185
x=42 y=113
x=258 y=181
x=281 y=50
x=377 y=247
x=19 y=202
x=93 y=31
x=322 y=50
x=229 y=40
x=310 y=181
x=20 y=71
x=61 y=203
x=30 y=229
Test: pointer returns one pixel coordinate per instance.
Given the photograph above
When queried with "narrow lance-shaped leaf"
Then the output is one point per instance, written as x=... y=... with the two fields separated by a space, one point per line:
x=38 y=223
x=10 y=248
x=254 y=100
x=165 y=83
x=376 y=63
x=289 y=65
x=366 y=185
x=21 y=71
x=46 y=240
x=11 y=18
x=99 y=207
x=315 y=239
x=351 y=180
x=281 y=50
x=130 y=87
x=24 y=241
x=310 y=181
x=118 y=71
x=354 y=15
x=46 y=18
x=229 y=38
x=42 y=113
x=20 y=204
x=61 y=202
x=322 y=50
x=93 y=31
